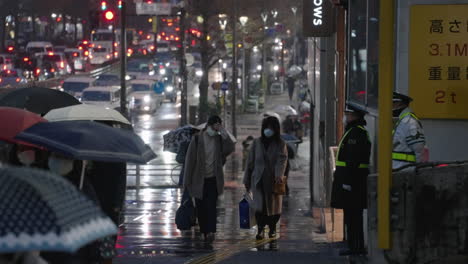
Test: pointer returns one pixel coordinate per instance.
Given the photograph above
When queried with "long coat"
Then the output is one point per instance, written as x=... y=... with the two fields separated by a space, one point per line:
x=354 y=153
x=259 y=177
x=194 y=170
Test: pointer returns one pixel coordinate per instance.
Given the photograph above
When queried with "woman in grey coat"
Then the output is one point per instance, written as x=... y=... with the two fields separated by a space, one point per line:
x=266 y=166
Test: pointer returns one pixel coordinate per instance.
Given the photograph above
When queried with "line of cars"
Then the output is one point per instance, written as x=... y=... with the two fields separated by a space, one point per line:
x=144 y=95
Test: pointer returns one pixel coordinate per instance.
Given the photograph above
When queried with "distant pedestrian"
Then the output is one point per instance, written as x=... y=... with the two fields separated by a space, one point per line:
x=349 y=189
x=204 y=176
x=266 y=167
x=291 y=85
x=293 y=127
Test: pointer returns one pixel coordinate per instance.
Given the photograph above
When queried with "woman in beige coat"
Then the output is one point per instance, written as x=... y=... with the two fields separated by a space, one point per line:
x=266 y=166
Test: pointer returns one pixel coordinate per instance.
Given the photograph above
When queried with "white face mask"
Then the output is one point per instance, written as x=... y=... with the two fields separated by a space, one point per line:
x=211 y=132
x=27 y=157
x=60 y=166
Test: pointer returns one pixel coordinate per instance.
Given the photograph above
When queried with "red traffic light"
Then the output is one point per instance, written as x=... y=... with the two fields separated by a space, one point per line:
x=109 y=15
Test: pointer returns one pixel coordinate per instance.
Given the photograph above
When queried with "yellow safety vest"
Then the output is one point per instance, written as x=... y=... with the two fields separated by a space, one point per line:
x=343 y=163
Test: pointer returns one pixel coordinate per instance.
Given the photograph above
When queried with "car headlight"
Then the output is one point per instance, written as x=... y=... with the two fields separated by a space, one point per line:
x=146 y=99
x=169 y=89
x=128 y=77
x=162 y=71
x=199 y=73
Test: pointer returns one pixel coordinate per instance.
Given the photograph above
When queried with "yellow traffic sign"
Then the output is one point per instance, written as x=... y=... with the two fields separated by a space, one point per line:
x=438 y=61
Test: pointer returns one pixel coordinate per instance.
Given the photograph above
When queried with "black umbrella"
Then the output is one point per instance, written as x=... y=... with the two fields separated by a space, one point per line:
x=37 y=100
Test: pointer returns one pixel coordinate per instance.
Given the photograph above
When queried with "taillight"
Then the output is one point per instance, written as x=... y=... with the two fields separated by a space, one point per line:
x=1 y=80
x=51 y=54
x=25 y=59
x=152 y=48
x=62 y=65
x=75 y=54
x=86 y=53
x=38 y=71
x=52 y=70
x=4 y=67
x=18 y=80
x=108 y=56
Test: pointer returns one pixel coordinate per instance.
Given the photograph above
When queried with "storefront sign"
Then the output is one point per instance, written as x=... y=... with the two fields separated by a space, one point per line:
x=318 y=18
x=438 y=61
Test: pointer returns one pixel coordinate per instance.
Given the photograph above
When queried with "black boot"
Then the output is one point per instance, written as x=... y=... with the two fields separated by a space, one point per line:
x=260 y=233
x=272 y=232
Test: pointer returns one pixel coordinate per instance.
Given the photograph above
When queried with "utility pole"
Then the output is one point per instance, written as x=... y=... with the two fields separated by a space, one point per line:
x=123 y=59
x=183 y=69
x=234 y=68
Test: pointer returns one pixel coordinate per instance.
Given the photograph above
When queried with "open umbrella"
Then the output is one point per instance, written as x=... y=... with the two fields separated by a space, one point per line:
x=37 y=100
x=86 y=112
x=86 y=140
x=175 y=138
x=44 y=212
x=13 y=121
x=285 y=110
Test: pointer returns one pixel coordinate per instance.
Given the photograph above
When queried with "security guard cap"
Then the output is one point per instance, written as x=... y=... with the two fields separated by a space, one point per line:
x=398 y=97
x=352 y=108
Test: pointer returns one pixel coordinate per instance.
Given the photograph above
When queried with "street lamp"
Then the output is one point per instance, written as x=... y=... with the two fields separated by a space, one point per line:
x=274 y=13
x=243 y=20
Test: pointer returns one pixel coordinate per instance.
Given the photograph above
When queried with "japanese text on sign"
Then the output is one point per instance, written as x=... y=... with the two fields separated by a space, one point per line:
x=438 y=67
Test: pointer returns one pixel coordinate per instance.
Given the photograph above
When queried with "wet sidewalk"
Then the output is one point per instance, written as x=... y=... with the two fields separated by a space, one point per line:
x=150 y=234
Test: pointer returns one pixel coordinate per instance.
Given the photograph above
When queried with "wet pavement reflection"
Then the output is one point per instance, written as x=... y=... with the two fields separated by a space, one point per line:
x=149 y=234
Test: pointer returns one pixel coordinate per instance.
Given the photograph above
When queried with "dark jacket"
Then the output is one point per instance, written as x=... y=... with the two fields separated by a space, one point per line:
x=353 y=154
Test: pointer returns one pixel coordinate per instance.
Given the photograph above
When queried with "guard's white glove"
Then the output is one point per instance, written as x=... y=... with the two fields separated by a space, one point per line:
x=347 y=187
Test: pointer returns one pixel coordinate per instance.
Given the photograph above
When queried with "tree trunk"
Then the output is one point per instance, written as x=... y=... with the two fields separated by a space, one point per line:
x=33 y=25
x=203 y=107
x=2 y=32
x=17 y=25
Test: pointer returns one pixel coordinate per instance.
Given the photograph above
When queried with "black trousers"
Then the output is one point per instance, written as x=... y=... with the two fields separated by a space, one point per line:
x=354 y=222
x=206 y=207
x=264 y=220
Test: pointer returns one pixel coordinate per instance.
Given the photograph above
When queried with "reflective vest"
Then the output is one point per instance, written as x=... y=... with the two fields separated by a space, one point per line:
x=404 y=156
x=343 y=163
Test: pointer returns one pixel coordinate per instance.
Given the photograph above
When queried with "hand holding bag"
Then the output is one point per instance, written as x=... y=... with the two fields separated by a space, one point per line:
x=246 y=212
x=279 y=187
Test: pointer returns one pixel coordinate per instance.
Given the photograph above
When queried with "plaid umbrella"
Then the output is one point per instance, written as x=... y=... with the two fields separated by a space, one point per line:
x=44 y=212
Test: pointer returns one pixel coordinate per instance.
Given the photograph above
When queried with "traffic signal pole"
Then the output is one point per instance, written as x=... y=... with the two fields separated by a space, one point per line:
x=234 y=68
x=183 y=70
x=123 y=59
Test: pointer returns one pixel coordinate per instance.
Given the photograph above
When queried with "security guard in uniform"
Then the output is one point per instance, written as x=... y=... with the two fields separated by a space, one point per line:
x=409 y=142
x=349 y=191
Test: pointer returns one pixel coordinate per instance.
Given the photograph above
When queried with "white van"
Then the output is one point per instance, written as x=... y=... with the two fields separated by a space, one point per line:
x=6 y=62
x=100 y=55
x=76 y=85
x=105 y=96
x=35 y=47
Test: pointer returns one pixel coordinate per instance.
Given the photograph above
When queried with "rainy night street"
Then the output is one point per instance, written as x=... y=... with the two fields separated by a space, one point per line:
x=149 y=233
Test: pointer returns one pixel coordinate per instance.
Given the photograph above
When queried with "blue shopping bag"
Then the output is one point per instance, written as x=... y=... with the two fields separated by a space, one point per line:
x=246 y=213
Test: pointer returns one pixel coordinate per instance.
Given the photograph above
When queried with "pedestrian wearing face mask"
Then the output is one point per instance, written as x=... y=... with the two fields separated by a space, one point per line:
x=28 y=156
x=409 y=141
x=266 y=167
x=204 y=176
x=97 y=252
x=349 y=189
